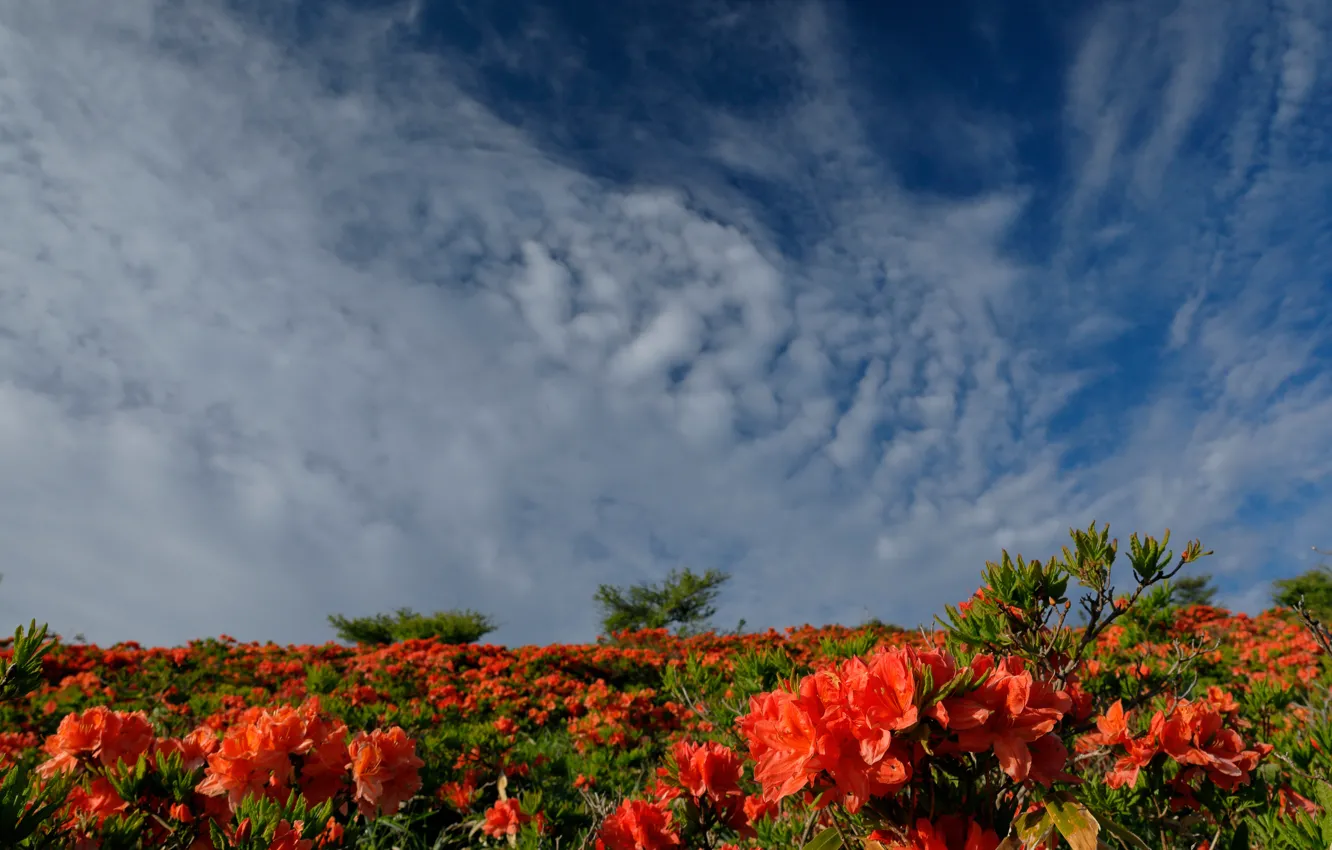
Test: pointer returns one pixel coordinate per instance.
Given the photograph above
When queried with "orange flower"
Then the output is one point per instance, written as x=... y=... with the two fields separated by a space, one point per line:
x=195 y=748
x=712 y=770
x=1112 y=729
x=782 y=736
x=950 y=832
x=180 y=812
x=331 y=835
x=459 y=794
x=840 y=724
x=880 y=699
x=1290 y=801
x=1048 y=757
x=288 y=837
x=1222 y=700
x=505 y=819
x=385 y=770
x=98 y=801
x=1138 y=751
x=98 y=734
x=757 y=808
x=1021 y=711
x=261 y=756
x=238 y=768
x=638 y=825
x=324 y=766
x=1193 y=735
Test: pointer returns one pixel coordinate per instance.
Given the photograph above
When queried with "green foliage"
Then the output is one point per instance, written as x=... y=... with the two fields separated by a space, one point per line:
x=1314 y=587
x=321 y=678
x=1194 y=590
x=1022 y=607
x=758 y=670
x=1296 y=832
x=465 y=626
x=1152 y=617
x=24 y=673
x=829 y=839
x=24 y=808
x=854 y=646
x=264 y=816
x=684 y=600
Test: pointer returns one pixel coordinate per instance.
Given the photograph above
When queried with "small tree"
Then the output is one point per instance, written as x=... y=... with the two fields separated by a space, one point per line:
x=1193 y=590
x=465 y=626
x=1313 y=587
x=684 y=599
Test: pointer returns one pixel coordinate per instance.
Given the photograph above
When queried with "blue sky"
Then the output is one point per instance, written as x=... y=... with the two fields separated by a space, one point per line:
x=316 y=307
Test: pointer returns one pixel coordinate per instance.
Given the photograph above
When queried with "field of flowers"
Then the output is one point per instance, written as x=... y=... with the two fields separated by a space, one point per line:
x=1147 y=725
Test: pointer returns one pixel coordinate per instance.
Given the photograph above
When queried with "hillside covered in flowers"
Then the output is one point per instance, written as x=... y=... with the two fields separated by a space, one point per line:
x=1149 y=724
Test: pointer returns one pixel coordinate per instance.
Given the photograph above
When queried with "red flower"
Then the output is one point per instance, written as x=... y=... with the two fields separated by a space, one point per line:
x=839 y=725
x=98 y=734
x=288 y=837
x=756 y=808
x=712 y=770
x=505 y=819
x=1193 y=735
x=1017 y=711
x=384 y=768
x=638 y=825
x=950 y=832
x=782 y=735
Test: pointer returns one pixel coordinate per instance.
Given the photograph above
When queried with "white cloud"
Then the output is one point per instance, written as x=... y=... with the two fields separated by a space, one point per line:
x=1299 y=61
x=1181 y=327
x=289 y=328
x=853 y=429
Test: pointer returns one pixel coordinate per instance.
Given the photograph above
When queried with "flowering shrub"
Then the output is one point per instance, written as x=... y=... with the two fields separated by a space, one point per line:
x=1143 y=725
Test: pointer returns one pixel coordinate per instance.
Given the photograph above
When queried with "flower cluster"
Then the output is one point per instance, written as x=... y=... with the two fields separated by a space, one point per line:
x=639 y=825
x=1191 y=733
x=268 y=754
x=98 y=735
x=710 y=774
x=862 y=729
x=1013 y=714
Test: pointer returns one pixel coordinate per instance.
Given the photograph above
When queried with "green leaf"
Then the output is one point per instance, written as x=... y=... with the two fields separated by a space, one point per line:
x=1240 y=840
x=1073 y=820
x=829 y=839
x=1124 y=836
x=1034 y=828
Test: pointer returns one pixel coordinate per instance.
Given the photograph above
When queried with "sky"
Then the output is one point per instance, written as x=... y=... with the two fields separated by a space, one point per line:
x=328 y=307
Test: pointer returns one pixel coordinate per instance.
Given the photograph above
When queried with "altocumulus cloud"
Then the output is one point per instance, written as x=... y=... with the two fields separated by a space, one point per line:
x=345 y=310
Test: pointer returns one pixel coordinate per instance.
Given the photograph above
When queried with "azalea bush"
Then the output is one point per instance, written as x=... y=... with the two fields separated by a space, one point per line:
x=463 y=626
x=1032 y=717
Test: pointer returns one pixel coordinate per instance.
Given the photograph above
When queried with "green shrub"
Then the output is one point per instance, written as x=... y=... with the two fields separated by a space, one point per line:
x=683 y=600
x=465 y=626
x=1314 y=587
x=1194 y=590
